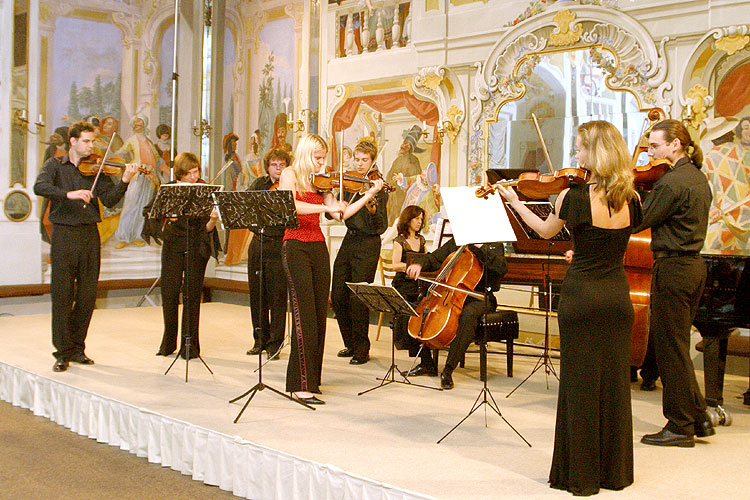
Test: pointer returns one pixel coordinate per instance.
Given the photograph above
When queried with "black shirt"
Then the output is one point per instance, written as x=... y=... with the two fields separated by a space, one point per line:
x=264 y=183
x=363 y=222
x=676 y=209
x=491 y=255
x=59 y=176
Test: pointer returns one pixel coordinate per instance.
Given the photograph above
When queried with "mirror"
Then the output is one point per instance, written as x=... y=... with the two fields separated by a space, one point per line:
x=17 y=206
x=563 y=90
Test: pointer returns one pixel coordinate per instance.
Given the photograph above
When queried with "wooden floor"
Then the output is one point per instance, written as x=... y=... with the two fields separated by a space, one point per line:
x=388 y=434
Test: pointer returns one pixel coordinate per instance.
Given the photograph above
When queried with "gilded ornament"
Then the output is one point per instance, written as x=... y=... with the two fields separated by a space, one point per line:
x=732 y=44
x=698 y=95
x=432 y=81
x=563 y=34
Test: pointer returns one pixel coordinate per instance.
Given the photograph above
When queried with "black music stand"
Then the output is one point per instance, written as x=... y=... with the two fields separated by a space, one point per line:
x=543 y=209
x=190 y=201
x=258 y=211
x=462 y=206
x=386 y=299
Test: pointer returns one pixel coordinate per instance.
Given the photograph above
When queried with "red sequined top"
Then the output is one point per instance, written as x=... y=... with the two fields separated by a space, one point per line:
x=309 y=224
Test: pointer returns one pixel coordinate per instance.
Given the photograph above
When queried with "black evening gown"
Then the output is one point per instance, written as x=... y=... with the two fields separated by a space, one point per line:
x=594 y=430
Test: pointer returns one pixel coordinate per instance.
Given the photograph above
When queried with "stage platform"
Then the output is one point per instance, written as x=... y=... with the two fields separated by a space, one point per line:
x=381 y=445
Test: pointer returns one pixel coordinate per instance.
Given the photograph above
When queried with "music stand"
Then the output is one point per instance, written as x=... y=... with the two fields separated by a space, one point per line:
x=190 y=201
x=386 y=299
x=542 y=209
x=462 y=205
x=258 y=211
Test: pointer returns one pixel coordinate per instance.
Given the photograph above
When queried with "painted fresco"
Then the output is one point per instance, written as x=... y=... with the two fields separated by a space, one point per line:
x=77 y=88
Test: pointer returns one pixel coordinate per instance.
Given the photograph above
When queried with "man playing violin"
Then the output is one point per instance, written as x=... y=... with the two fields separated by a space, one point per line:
x=75 y=243
x=268 y=323
x=676 y=210
x=357 y=259
x=492 y=257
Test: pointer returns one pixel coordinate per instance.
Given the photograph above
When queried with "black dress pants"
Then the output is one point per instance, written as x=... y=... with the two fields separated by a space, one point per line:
x=356 y=262
x=270 y=320
x=308 y=276
x=467 y=328
x=179 y=274
x=75 y=255
x=676 y=287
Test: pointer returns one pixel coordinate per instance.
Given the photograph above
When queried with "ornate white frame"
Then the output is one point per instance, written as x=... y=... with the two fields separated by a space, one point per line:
x=722 y=49
x=639 y=65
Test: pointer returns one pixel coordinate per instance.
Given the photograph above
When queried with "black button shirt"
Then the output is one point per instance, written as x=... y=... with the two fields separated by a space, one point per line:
x=59 y=176
x=491 y=255
x=676 y=210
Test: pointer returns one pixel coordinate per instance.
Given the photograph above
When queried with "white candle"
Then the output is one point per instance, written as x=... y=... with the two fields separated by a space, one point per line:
x=23 y=114
x=40 y=121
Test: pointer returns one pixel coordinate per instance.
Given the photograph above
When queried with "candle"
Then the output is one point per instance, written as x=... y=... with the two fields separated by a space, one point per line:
x=23 y=114
x=424 y=125
x=40 y=121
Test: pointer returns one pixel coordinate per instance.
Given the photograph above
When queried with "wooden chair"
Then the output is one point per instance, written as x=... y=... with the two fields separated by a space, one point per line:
x=386 y=272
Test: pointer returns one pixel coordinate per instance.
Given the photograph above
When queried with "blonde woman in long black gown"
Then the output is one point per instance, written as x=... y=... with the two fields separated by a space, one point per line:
x=594 y=431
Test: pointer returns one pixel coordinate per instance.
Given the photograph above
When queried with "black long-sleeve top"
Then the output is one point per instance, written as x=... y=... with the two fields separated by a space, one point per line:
x=676 y=209
x=59 y=176
x=363 y=222
x=264 y=183
x=491 y=255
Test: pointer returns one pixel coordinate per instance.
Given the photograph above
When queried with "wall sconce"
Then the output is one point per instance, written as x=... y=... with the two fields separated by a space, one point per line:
x=203 y=129
x=446 y=127
x=21 y=122
x=298 y=126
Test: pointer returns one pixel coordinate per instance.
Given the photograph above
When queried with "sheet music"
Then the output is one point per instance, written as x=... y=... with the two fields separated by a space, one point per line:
x=381 y=298
x=254 y=209
x=183 y=199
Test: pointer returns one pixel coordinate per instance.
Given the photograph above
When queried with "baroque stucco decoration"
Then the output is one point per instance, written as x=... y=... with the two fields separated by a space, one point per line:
x=639 y=66
x=714 y=56
x=439 y=85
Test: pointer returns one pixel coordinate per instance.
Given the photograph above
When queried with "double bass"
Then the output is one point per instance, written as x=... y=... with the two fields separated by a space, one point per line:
x=439 y=311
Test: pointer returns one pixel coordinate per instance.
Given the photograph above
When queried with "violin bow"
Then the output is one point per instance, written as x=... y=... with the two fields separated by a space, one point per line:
x=101 y=165
x=541 y=139
x=341 y=169
x=226 y=166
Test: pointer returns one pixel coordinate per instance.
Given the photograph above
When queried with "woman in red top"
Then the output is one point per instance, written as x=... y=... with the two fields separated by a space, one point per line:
x=307 y=267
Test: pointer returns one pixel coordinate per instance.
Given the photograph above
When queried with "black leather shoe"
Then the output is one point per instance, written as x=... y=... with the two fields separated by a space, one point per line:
x=60 y=365
x=311 y=400
x=345 y=353
x=422 y=369
x=648 y=385
x=446 y=380
x=704 y=428
x=81 y=359
x=255 y=350
x=359 y=360
x=164 y=353
x=666 y=437
x=274 y=358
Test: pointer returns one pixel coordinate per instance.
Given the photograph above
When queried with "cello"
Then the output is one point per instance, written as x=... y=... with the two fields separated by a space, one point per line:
x=439 y=310
x=638 y=256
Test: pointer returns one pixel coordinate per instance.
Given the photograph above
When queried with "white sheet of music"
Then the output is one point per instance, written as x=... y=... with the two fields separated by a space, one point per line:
x=476 y=220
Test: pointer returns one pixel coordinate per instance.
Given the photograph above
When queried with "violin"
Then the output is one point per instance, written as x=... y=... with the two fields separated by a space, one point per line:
x=92 y=164
x=538 y=186
x=646 y=175
x=354 y=182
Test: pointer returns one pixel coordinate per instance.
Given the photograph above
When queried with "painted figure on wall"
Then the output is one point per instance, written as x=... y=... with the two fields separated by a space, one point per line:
x=727 y=167
x=163 y=145
x=253 y=167
x=138 y=149
x=278 y=139
x=405 y=166
x=108 y=130
x=229 y=145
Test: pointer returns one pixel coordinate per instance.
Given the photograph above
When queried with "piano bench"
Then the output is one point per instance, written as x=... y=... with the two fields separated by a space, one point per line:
x=502 y=326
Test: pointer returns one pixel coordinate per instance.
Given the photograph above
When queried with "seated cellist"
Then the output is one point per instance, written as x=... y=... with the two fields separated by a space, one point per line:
x=492 y=258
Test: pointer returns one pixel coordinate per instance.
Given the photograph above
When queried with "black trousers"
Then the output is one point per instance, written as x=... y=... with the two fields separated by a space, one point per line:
x=357 y=262
x=270 y=320
x=676 y=287
x=184 y=271
x=75 y=256
x=309 y=277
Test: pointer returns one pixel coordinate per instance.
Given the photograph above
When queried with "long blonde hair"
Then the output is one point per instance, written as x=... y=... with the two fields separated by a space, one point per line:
x=304 y=163
x=610 y=160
